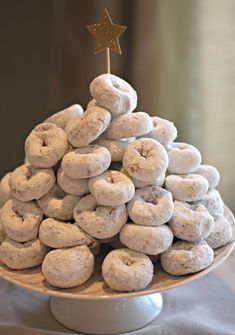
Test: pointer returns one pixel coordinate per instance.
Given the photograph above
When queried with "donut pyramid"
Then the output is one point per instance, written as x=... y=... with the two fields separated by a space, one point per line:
x=110 y=176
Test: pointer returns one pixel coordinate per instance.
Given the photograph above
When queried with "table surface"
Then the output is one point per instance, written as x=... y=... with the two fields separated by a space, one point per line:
x=205 y=306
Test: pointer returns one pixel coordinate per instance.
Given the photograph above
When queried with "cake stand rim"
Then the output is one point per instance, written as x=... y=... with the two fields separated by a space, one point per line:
x=120 y=295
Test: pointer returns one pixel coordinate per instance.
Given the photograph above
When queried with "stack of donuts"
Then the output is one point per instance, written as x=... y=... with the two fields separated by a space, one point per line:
x=110 y=176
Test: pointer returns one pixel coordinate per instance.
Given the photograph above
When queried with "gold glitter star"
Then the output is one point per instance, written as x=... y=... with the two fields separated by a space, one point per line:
x=106 y=34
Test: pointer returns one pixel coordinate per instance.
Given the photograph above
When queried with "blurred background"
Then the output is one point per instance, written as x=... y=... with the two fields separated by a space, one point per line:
x=179 y=55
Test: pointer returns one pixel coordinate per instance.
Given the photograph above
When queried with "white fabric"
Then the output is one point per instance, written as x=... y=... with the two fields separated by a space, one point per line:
x=205 y=306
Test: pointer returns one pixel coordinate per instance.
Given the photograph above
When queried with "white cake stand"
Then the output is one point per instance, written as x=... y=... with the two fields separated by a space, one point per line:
x=93 y=308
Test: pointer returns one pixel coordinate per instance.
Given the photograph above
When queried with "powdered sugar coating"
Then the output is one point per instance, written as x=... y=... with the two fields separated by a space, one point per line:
x=28 y=183
x=21 y=220
x=190 y=187
x=163 y=131
x=159 y=181
x=210 y=173
x=68 y=267
x=88 y=127
x=113 y=93
x=86 y=162
x=57 y=204
x=98 y=221
x=145 y=159
x=187 y=257
x=20 y=256
x=112 y=188
x=115 y=147
x=70 y=185
x=213 y=202
x=92 y=103
x=148 y=240
x=151 y=206
x=191 y=222
x=183 y=158
x=58 y=234
x=45 y=145
x=129 y=125
x=63 y=117
x=127 y=270
x=221 y=234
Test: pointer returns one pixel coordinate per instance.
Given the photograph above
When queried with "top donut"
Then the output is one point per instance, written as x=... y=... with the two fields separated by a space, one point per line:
x=114 y=94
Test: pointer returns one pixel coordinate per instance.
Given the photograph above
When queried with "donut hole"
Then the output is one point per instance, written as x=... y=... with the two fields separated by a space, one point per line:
x=143 y=152
x=155 y=123
x=18 y=214
x=44 y=142
x=128 y=261
x=110 y=180
x=151 y=199
x=117 y=85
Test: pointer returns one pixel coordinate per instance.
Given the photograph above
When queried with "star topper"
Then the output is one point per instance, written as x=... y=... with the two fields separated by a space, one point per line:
x=106 y=35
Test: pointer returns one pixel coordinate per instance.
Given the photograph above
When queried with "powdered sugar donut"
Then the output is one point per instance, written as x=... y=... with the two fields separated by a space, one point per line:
x=5 y=189
x=28 y=183
x=63 y=117
x=57 y=204
x=145 y=159
x=191 y=223
x=143 y=183
x=45 y=145
x=21 y=220
x=213 y=202
x=113 y=93
x=58 y=234
x=115 y=147
x=112 y=188
x=221 y=234
x=22 y=255
x=148 y=240
x=163 y=131
x=68 y=267
x=97 y=221
x=129 y=125
x=151 y=206
x=187 y=257
x=210 y=173
x=70 y=185
x=127 y=270
x=88 y=127
x=189 y=187
x=86 y=162
x=183 y=158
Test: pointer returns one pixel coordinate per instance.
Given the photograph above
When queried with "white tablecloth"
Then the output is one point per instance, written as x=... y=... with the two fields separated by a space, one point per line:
x=204 y=307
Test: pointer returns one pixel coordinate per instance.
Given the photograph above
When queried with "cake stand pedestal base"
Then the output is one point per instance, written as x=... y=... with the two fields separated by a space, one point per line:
x=106 y=316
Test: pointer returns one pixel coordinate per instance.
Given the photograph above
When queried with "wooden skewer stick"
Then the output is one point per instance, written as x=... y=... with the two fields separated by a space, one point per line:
x=107 y=60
